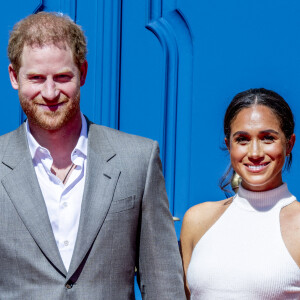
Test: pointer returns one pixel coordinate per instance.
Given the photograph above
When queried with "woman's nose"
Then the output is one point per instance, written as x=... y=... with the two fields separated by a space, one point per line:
x=255 y=149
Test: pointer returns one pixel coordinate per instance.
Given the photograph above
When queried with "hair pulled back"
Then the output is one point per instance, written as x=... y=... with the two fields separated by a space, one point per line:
x=252 y=97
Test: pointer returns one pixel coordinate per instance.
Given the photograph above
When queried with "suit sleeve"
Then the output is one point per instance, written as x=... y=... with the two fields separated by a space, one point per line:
x=159 y=264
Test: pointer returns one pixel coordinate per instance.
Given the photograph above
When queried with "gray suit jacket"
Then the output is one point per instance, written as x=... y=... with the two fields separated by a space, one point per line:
x=125 y=222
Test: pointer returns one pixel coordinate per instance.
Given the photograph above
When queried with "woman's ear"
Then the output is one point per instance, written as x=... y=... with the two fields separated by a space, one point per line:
x=227 y=143
x=290 y=144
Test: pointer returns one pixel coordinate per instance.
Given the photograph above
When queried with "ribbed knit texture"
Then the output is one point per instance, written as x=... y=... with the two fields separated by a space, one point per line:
x=243 y=256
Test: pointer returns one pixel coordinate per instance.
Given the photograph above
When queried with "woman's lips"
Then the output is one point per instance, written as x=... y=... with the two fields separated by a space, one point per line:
x=256 y=168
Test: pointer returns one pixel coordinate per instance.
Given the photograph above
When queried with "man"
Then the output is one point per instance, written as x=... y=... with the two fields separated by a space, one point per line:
x=80 y=204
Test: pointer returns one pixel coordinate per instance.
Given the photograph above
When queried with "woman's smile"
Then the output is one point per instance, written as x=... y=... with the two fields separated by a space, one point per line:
x=256 y=168
x=258 y=148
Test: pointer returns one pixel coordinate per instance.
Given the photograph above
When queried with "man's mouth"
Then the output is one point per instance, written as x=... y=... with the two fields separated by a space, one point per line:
x=54 y=106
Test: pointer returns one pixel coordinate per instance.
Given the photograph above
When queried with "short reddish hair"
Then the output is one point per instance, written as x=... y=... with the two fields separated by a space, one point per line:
x=46 y=28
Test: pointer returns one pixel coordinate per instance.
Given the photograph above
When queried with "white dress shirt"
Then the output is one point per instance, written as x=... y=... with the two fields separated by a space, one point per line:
x=63 y=202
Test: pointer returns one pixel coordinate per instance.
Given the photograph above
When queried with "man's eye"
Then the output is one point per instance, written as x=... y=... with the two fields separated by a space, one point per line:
x=36 y=77
x=63 y=78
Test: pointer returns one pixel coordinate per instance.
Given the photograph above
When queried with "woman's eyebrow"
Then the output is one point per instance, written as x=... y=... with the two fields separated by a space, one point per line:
x=262 y=131
x=269 y=131
x=240 y=133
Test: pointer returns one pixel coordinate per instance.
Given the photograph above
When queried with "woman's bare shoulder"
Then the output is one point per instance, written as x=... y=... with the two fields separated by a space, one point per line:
x=206 y=210
x=199 y=218
x=290 y=229
x=291 y=213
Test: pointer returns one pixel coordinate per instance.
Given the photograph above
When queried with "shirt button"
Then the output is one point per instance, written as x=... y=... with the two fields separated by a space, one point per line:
x=66 y=243
x=65 y=204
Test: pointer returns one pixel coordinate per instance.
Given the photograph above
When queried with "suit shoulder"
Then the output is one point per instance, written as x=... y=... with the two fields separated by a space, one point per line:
x=6 y=136
x=4 y=140
x=117 y=137
x=131 y=151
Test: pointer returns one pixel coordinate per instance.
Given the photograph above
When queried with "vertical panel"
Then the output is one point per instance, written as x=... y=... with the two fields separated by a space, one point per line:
x=166 y=86
x=11 y=114
x=173 y=33
x=69 y=7
x=142 y=74
x=100 y=96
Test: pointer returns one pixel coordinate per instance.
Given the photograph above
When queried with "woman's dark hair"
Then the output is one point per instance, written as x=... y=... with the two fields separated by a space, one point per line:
x=264 y=97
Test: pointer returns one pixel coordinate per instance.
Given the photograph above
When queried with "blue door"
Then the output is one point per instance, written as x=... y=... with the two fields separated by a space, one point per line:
x=167 y=69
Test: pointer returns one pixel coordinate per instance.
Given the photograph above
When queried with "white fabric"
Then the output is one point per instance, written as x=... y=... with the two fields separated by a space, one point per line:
x=243 y=256
x=63 y=202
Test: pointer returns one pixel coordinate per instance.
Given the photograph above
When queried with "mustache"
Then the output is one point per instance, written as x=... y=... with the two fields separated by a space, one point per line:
x=40 y=101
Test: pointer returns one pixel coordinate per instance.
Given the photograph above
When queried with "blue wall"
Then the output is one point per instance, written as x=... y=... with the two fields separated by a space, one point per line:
x=168 y=69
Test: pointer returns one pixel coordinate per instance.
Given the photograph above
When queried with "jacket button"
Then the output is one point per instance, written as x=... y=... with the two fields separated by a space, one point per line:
x=68 y=286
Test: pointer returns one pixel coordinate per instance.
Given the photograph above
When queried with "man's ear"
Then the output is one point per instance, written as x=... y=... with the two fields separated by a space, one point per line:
x=227 y=143
x=13 y=76
x=83 y=72
x=290 y=144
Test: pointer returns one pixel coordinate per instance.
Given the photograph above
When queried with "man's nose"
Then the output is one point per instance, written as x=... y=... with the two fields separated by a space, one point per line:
x=49 y=90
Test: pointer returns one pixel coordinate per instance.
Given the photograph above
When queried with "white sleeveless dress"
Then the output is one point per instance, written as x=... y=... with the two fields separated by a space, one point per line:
x=243 y=256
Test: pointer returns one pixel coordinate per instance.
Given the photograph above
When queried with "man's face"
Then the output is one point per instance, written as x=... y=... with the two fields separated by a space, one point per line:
x=49 y=86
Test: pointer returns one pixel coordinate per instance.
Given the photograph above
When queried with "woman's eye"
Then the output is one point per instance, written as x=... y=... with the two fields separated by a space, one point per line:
x=241 y=140
x=268 y=138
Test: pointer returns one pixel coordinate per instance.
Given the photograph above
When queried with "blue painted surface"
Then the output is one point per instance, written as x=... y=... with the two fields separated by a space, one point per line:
x=103 y=29
x=168 y=69
x=237 y=45
x=11 y=114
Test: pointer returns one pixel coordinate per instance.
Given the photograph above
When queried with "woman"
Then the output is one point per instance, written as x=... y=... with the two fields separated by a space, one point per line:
x=248 y=246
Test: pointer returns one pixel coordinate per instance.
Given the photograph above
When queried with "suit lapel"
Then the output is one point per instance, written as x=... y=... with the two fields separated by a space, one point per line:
x=23 y=189
x=101 y=180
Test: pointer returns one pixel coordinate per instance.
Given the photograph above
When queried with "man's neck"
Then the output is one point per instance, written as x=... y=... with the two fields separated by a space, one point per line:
x=59 y=142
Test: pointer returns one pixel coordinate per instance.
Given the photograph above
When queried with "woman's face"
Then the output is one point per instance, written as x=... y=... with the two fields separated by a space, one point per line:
x=258 y=148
